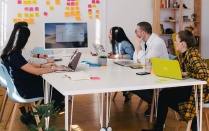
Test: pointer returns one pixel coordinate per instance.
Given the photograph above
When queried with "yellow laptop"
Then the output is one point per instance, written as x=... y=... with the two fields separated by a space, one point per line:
x=166 y=68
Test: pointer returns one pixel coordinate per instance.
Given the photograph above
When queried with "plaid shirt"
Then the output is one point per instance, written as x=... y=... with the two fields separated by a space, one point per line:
x=194 y=64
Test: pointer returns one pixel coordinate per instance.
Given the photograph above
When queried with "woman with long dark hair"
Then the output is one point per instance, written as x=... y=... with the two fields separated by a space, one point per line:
x=122 y=48
x=26 y=75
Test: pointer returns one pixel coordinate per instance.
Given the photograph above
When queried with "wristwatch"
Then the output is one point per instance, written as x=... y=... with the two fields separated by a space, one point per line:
x=52 y=67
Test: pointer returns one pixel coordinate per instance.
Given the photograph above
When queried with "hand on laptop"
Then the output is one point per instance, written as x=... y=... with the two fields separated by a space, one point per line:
x=48 y=65
x=62 y=68
x=184 y=74
x=49 y=60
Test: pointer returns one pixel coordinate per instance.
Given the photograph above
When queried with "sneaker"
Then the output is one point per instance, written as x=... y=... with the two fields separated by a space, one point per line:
x=26 y=118
x=194 y=124
x=147 y=112
x=127 y=97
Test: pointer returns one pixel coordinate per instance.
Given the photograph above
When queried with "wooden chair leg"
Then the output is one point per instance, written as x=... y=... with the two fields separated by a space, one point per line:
x=13 y=117
x=9 y=114
x=3 y=105
x=207 y=122
x=139 y=105
x=178 y=125
x=113 y=98
x=176 y=115
x=36 y=116
x=152 y=106
x=189 y=125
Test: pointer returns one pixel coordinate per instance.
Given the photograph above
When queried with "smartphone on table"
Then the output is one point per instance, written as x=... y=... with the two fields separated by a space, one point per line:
x=142 y=73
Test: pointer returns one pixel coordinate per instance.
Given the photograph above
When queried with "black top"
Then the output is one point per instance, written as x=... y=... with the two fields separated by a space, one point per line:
x=23 y=81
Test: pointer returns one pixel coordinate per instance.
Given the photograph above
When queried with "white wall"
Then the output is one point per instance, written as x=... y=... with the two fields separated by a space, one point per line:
x=124 y=13
x=127 y=14
x=205 y=27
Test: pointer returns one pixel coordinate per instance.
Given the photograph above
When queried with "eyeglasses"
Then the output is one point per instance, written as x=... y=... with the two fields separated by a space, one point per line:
x=136 y=31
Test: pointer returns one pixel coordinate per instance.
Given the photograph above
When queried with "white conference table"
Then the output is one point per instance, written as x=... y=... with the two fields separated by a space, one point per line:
x=113 y=79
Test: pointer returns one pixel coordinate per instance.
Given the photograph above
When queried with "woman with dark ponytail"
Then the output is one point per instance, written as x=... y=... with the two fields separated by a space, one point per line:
x=182 y=99
x=27 y=76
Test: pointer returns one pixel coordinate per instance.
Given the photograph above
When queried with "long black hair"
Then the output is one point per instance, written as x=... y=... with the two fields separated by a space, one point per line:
x=17 y=40
x=118 y=35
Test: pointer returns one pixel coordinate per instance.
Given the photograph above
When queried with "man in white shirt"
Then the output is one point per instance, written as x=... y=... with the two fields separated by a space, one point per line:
x=155 y=47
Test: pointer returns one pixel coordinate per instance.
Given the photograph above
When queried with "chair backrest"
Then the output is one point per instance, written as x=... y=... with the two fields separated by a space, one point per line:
x=174 y=39
x=12 y=92
x=40 y=50
x=3 y=81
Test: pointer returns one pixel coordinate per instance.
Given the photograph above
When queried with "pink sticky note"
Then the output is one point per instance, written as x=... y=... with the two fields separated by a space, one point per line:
x=31 y=9
x=95 y=78
x=26 y=8
x=89 y=6
x=97 y=1
x=19 y=2
x=68 y=3
x=36 y=8
x=93 y=1
x=72 y=3
x=46 y=13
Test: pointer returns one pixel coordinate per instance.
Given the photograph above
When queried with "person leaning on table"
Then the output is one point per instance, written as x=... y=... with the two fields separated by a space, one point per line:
x=36 y=58
x=155 y=47
x=26 y=75
x=122 y=48
x=182 y=99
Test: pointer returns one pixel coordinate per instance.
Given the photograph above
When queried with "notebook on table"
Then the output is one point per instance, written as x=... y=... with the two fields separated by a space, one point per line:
x=167 y=68
x=127 y=63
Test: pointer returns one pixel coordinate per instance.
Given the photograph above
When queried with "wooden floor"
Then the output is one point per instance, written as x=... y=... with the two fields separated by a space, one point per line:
x=86 y=116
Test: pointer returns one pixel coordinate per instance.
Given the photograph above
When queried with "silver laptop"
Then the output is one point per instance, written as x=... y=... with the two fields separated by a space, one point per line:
x=73 y=61
x=99 y=49
x=127 y=63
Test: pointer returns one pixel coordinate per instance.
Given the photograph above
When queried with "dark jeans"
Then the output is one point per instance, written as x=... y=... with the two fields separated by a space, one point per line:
x=145 y=95
x=36 y=90
x=170 y=97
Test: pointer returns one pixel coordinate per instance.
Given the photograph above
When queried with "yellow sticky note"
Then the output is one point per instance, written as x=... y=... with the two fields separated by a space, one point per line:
x=25 y=2
x=19 y=15
x=57 y=2
x=97 y=16
x=47 y=2
x=34 y=2
x=26 y=14
x=29 y=2
x=72 y=8
x=72 y=13
x=31 y=15
x=94 y=5
x=37 y=14
x=77 y=8
x=76 y=3
x=90 y=13
x=31 y=21
x=26 y=20
x=67 y=14
x=97 y=11
x=14 y=20
x=90 y=17
x=67 y=8
x=78 y=18
x=51 y=8
x=103 y=66
x=77 y=13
